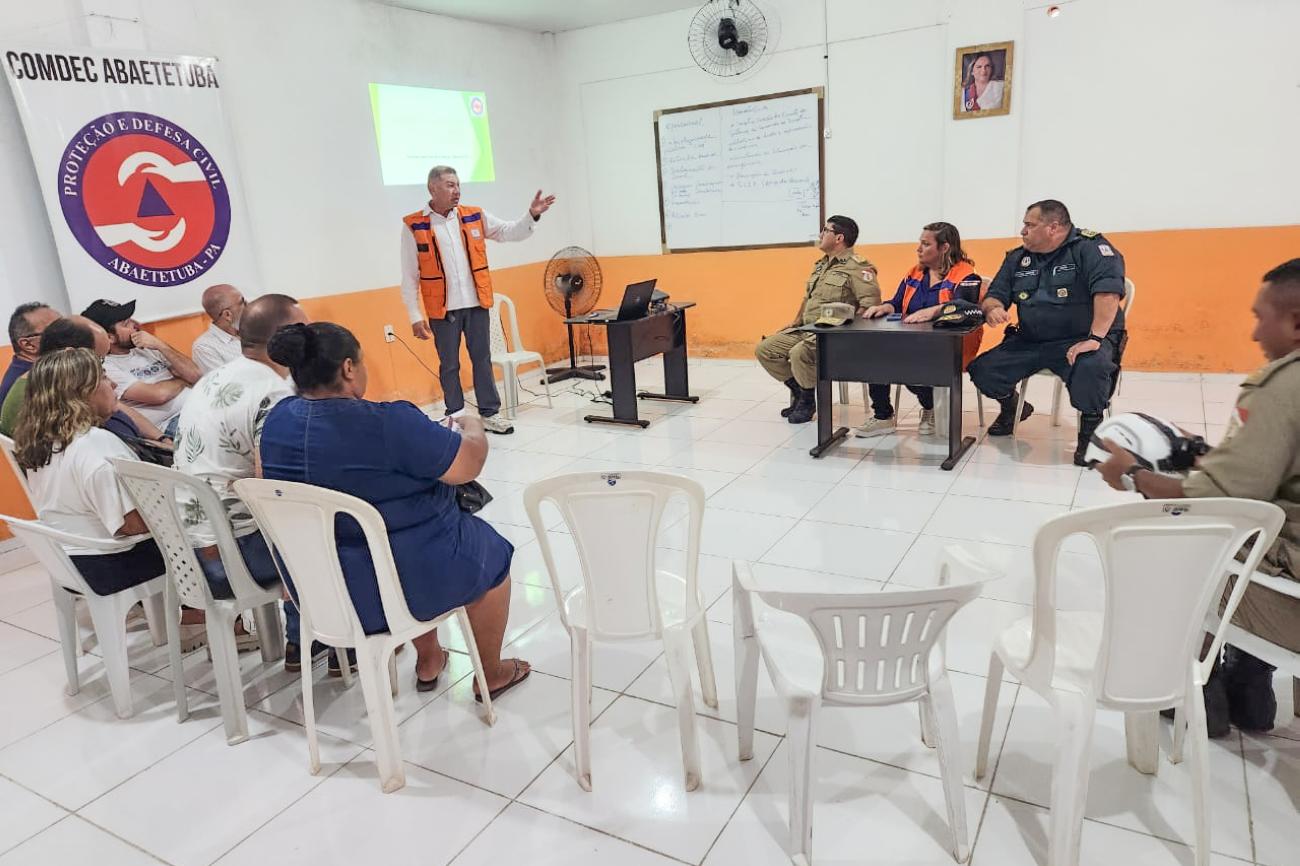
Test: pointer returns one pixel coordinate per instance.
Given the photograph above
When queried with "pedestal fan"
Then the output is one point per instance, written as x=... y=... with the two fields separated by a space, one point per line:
x=572 y=286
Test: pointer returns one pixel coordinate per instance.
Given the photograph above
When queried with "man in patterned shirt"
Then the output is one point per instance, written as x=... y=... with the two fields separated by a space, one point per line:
x=217 y=441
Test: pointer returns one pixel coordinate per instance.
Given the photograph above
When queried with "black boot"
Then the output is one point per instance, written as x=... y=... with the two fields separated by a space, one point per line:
x=1252 y=704
x=1087 y=426
x=1006 y=420
x=794 y=397
x=805 y=407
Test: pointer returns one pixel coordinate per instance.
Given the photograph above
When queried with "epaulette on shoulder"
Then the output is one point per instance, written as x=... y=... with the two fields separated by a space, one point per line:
x=1088 y=233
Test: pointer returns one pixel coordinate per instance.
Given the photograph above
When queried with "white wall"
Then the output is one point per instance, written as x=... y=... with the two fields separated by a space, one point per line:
x=294 y=78
x=1159 y=114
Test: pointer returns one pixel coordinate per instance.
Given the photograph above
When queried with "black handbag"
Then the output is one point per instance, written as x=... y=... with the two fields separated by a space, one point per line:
x=472 y=496
x=149 y=451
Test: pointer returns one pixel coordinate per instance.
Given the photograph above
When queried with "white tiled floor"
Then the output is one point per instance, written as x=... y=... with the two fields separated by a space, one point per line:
x=79 y=785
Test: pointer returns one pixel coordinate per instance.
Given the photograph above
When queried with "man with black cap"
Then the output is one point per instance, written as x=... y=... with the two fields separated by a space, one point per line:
x=147 y=374
x=1067 y=283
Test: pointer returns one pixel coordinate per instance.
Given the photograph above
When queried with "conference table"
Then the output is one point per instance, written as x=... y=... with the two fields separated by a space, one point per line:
x=658 y=333
x=881 y=351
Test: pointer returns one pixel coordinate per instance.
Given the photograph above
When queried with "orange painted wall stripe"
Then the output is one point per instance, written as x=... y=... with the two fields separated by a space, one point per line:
x=1194 y=289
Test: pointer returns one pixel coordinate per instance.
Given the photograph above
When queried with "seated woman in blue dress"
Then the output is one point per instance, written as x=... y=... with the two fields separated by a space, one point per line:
x=405 y=465
x=943 y=273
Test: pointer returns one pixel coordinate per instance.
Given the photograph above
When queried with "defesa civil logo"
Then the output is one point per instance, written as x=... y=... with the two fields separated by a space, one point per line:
x=144 y=198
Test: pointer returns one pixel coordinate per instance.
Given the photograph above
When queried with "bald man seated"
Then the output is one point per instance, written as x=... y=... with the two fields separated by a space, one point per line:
x=219 y=344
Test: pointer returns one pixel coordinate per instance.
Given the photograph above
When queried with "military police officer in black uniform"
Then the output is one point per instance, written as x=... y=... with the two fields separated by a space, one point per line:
x=1068 y=284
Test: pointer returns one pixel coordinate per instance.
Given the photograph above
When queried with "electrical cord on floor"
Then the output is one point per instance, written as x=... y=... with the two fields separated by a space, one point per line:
x=420 y=361
x=589 y=392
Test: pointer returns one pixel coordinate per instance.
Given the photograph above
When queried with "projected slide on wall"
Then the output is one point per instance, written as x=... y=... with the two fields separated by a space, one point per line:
x=417 y=128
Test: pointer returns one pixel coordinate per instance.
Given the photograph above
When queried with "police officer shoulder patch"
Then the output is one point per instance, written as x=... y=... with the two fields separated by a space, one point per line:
x=1088 y=233
x=868 y=275
x=1105 y=250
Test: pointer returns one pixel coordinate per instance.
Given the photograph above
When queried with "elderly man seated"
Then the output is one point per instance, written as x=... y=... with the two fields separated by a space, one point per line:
x=219 y=344
x=1258 y=459
x=26 y=326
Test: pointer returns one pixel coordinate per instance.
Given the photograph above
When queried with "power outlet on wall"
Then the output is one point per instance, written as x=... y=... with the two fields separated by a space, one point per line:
x=389 y=336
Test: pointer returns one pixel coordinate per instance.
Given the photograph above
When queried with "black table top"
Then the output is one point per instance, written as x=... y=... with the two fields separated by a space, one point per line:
x=673 y=307
x=920 y=330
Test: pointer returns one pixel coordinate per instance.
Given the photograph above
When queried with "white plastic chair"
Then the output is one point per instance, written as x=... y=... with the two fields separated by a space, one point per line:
x=107 y=612
x=155 y=625
x=623 y=595
x=154 y=490
x=298 y=519
x=510 y=361
x=867 y=649
x=1127 y=304
x=1165 y=564
x=7 y=445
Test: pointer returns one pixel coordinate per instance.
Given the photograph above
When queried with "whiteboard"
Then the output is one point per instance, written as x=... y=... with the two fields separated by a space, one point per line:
x=741 y=174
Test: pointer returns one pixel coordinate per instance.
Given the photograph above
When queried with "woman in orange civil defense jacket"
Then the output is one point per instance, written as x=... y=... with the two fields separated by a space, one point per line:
x=943 y=272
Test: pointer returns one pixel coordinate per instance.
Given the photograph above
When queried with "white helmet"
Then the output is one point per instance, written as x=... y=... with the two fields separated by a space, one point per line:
x=1158 y=445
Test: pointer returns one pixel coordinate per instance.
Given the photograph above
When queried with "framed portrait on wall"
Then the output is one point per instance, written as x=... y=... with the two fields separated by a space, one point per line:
x=981 y=84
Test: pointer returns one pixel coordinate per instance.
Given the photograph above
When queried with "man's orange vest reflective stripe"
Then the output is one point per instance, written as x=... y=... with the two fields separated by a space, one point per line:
x=433 y=279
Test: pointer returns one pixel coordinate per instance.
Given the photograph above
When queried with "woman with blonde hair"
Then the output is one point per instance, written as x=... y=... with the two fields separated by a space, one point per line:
x=65 y=454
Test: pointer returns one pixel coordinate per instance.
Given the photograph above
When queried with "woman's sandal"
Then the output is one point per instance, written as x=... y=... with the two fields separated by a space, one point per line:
x=515 y=679
x=430 y=685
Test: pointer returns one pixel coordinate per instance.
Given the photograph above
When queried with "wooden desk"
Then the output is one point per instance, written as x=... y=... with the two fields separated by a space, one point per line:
x=631 y=341
x=881 y=351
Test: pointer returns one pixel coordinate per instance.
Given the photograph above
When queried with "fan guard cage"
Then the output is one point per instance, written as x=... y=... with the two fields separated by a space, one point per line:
x=702 y=37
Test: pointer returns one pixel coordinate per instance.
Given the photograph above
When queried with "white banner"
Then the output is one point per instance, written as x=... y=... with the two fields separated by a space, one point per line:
x=138 y=174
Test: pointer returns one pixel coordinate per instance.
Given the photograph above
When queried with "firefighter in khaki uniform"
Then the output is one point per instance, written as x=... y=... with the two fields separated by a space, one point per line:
x=1259 y=458
x=840 y=276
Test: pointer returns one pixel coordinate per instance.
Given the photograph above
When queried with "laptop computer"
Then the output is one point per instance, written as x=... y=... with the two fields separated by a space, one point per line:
x=635 y=305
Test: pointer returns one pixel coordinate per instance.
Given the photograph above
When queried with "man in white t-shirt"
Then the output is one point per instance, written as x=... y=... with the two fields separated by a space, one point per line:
x=148 y=375
x=219 y=344
x=219 y=430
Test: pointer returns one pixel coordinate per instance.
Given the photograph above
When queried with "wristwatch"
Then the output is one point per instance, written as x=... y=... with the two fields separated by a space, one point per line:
x=1095 y=337
x=1129 y=478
